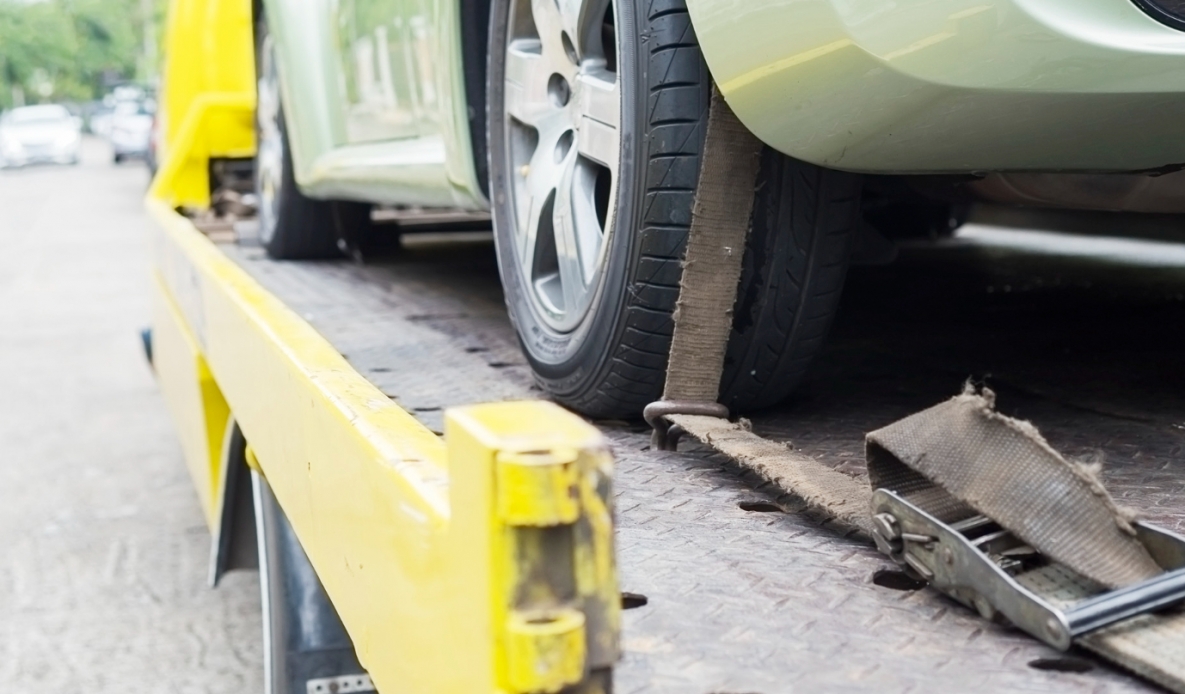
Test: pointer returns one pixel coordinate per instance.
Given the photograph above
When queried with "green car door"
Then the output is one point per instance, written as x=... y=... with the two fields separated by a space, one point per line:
x=372 y=99
x=385 y=50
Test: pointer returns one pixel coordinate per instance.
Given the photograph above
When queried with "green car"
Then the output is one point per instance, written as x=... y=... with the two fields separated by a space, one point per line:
x=579 y=125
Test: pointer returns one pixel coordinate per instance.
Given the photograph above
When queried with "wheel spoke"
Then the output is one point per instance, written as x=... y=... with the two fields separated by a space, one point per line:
x=568 y=219
x=581 y=19
x=549 y=25
x=526 y=81
x=586 y=225
x=538 y=180
x=599 y=109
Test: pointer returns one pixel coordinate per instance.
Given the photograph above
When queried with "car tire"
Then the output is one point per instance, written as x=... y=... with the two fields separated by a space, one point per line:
x=303 y=638
x=796 y=259
x=292 y=225
x=612 y=362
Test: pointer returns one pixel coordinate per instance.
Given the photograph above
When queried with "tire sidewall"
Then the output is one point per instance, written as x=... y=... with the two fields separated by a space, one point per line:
x=570 y=363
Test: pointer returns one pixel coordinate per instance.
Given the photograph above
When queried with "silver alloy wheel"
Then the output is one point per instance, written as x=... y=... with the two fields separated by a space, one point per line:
x=269 y=157
x=563 y=99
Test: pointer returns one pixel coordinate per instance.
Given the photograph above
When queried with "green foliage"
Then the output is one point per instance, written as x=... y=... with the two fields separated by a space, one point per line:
x=71 y=50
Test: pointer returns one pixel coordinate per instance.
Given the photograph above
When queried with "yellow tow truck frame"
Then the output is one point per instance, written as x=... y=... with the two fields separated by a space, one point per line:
x=429 y=548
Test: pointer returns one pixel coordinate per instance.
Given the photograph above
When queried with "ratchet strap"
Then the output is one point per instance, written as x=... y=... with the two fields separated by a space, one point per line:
x=973 y=501
x=703 y=320
x=1072 y=546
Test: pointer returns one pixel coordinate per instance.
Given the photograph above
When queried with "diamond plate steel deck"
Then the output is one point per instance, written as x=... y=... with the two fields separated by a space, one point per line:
x=780 y=601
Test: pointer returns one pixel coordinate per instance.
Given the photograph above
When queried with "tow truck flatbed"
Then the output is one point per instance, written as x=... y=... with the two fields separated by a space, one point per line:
x=743 y=591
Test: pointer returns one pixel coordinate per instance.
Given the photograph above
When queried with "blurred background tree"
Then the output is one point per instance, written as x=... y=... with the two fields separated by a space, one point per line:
x=75 y=50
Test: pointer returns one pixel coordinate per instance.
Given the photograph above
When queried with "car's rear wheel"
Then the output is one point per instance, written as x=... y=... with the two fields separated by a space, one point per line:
x=291 y=224
x=595 y=137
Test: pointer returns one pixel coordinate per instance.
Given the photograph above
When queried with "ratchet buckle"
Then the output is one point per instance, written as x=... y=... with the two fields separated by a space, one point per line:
x=978 y=563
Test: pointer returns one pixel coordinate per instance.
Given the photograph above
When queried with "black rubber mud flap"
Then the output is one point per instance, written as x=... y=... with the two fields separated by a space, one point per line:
x=306 y=647
x=234 y=543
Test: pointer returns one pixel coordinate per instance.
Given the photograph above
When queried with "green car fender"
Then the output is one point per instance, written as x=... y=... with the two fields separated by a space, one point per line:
x=952 y=86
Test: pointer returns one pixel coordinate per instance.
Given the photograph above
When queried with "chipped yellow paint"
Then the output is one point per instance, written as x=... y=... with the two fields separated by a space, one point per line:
x=546 y=565
x=544 y=650
x=538 y=487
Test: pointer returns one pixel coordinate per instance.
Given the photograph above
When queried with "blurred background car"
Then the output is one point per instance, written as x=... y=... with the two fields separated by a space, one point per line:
x=131 y=130
x=39 y=134
x=99 y=120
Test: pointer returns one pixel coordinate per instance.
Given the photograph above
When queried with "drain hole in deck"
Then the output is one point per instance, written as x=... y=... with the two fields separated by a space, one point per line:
x=379 y=370
x=474 y=350
x=897 y=580
x=760 y=507
x=1062 y=664
x=631 y=600
x=501 y=364
x=426 y=409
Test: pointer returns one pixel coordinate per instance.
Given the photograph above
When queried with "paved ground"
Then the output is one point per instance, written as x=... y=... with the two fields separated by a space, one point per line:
x=102 y=575
x=102 y=587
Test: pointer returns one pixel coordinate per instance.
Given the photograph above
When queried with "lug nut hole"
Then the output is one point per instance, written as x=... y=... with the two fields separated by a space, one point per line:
x=563 y=146
x=558 y=90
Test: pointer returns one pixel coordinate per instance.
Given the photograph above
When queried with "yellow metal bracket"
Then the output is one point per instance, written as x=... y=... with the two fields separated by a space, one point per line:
x=535 y=484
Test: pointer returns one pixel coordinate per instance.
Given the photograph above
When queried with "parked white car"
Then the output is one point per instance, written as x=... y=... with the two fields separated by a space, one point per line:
x=39 y=134
x=131 y=130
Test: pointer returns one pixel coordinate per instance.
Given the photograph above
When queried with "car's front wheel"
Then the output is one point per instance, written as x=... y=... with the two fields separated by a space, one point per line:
x=596 y=124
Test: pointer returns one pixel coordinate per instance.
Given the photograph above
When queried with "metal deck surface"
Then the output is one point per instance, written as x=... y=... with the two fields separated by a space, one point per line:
x=747 y=602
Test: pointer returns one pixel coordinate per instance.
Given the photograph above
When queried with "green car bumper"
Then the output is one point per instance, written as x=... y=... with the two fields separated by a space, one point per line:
x=952 y=86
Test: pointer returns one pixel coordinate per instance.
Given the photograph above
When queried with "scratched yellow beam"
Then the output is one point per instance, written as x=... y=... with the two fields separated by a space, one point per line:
x=423 y=550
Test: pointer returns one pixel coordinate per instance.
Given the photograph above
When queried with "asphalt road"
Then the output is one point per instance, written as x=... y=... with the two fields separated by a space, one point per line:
x=102 y=581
